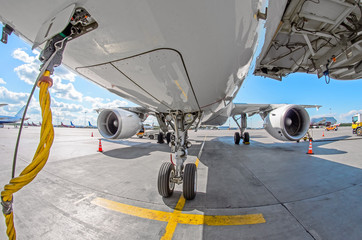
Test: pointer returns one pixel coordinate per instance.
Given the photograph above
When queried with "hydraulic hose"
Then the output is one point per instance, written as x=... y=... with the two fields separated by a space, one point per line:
x=39 y=160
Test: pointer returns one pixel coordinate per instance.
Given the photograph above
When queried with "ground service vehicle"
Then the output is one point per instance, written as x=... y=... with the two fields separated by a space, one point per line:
x=333 y=127
x=357 y=124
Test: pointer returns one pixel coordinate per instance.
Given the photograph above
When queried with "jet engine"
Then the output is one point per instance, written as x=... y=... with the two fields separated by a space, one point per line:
x=118 y=123
x=287 y=123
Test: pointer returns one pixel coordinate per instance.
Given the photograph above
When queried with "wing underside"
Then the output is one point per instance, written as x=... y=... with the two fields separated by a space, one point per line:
x=251 y=109
x=323 y=37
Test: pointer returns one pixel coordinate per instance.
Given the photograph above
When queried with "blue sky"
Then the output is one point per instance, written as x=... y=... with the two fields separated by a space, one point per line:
x=75 y=98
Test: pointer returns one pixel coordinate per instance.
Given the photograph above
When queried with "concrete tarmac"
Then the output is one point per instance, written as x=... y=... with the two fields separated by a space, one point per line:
x=266 y=190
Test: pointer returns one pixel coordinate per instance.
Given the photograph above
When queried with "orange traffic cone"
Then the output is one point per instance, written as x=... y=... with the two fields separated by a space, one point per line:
x=92 y=134
x=323 y=134
x=310 y=150
x=100 y=146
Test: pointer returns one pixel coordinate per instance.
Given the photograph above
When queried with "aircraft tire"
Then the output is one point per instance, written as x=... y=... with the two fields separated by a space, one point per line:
x=246 y=139
x=164 y=184
x=359 y=131
x=237 y=138
x=160 y=138
x=190 y=181
x=152 y=137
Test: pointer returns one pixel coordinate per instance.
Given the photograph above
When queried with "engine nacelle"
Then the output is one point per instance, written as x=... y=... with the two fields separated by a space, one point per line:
x=287 y=123
x=118 y=123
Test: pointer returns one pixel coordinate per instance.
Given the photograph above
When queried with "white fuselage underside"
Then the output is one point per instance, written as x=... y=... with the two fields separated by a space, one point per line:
x=163 y=55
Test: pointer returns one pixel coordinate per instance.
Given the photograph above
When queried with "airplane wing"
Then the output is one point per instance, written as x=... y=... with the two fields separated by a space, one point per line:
x=251 y=109
x=323 y=37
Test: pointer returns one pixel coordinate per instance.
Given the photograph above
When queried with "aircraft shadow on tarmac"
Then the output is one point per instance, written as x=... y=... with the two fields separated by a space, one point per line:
x=317 y=145
x=269 y=176
x=143 y=149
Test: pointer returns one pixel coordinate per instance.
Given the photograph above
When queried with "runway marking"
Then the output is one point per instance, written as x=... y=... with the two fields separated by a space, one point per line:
x=176 y=217
x=172 y=224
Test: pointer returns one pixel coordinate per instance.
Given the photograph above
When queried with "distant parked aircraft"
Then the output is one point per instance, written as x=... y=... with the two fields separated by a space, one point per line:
x=76 y=126
x=322 y=121
x=90 y=125
x=11 y=119
x=67 y=126
x=34 y=124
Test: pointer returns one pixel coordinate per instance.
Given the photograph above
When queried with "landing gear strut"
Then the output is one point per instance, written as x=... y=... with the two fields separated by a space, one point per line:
x=170 y=174
x=242 y=126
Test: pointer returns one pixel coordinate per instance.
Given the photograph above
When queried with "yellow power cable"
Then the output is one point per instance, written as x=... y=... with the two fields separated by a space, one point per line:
x=40 y=157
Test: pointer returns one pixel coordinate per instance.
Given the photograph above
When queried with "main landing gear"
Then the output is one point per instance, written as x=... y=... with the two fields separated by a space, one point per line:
x=242 y=134
x=171 y=174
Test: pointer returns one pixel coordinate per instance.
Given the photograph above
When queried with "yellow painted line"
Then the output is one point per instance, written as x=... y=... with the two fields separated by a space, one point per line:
x=132 y=210
x=178 y=85
x=175 y=217
x=226 y=220
x=172 y=224
x=197 y=162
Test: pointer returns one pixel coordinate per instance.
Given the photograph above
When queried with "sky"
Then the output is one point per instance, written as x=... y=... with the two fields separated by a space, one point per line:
x=74 y=98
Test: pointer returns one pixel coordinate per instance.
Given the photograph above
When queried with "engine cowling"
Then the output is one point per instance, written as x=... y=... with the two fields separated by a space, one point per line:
x=118 y=123
x=287 y=123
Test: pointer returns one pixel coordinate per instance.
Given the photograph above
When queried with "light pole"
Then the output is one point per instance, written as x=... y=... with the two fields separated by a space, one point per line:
x=85 y=117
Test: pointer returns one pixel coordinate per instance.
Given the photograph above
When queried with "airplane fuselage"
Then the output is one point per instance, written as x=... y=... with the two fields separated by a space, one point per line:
x=163 y=55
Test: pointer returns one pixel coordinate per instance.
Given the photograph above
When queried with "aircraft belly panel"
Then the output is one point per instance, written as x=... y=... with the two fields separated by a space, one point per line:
x=207 y=48
x=112 y=79
x=162 y=74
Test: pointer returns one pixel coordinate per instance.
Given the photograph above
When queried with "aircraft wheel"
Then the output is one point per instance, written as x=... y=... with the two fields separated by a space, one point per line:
x=160 y=138
x=246 y=138
x=359 y=132
x=190 y=181
x=168 y=137
x=152 y=137
x=237 y=137
x=164 y=183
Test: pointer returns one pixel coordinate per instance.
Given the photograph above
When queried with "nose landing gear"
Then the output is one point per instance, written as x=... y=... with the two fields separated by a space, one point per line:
x=170 y=174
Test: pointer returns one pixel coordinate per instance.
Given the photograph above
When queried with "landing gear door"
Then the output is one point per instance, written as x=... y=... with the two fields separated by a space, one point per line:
x=54 y=25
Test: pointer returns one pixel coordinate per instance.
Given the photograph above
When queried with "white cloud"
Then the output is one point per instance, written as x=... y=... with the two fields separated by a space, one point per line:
x=16 y=101
x=347 y=117
x=66 y=112
x=12 y=97
x=65 y=91
x=2 y=81
x=66 y=107
x=23 y=56
x=62 y=88
x=29 y=71
x=93 y=100
x=64 y=74
x=101 y=103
